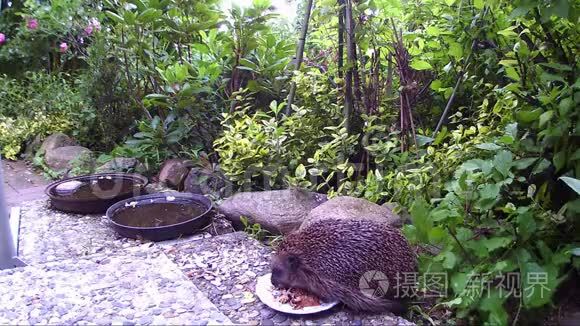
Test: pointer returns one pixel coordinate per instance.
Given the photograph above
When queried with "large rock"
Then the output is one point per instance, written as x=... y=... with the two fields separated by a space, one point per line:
x=61 y=158
x=174 y=171
x=155 y=187
x=278 y=211
x=121 y=164
x=205 y=182
x=55 y=141
x=345 y=207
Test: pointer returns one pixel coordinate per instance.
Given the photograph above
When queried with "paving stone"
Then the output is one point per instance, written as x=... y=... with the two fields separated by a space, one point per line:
x=78 y=285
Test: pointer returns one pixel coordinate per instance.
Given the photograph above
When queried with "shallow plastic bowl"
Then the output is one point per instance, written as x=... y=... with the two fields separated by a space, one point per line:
x=160 y=216
x=94 y=193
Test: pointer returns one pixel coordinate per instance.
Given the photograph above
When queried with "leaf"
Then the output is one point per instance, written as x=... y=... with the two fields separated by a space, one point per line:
x=488 y=146
x=512 y=73
x=529 y=116
x=565 y=106
x=493 y=303
x=512 y=130
x=437 y=234
x=436 y=84
x=546 y=117
x=572 y=183
x=557 y=66
x=477 y=164
x=503 y=162
x=116 y=18
x=423 y=140
x=495 y=243
x=433 y=31
x=543 y=165
x=489 y=195
x=478 y=4
x=508 y=32
x=526 y=225
x=129 y=17
x=547 y=77
x=538 y=284
x=524 y=163
x=490 y=191
x=420 y=217
x=149 y=15
x=314 y=172
x=420 y=65
x=156 y=97
x=350 y=171
x=508 y=63
x=300 y=171
x=248 y=64
x=559 y=160
x=449 y=260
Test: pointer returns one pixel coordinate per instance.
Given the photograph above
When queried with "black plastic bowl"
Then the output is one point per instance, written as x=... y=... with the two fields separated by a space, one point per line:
x=97 y=193
x=160 y=216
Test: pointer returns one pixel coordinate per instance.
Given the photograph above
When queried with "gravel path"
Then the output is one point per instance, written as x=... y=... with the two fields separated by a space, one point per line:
x=137 y=285
x=51 y=235
x=83 y=272
x=225 y=269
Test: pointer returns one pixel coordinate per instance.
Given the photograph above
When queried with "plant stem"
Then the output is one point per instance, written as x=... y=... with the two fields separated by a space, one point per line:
x=460 y=245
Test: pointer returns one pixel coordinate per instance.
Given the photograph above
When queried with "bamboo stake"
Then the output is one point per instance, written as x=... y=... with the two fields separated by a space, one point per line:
x=299 y=54
x=350 y=56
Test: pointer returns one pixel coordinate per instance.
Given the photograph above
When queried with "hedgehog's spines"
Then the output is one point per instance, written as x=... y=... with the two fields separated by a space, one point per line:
x=334 y=256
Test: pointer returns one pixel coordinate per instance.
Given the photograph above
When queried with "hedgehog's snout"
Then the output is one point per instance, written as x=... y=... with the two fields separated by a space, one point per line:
x=276 y=282
x=277 y=278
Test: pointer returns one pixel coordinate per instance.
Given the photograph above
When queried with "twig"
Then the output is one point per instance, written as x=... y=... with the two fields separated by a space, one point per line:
x=460 y=245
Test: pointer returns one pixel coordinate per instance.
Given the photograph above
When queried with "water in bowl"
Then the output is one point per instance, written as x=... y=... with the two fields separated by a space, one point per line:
x=157 y=214
x=100 y=188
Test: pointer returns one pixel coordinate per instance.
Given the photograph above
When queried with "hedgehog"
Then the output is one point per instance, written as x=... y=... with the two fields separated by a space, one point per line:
x=358 y=262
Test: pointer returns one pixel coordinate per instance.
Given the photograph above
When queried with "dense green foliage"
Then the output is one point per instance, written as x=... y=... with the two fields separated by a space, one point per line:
x=493 y=191
x=39 y=104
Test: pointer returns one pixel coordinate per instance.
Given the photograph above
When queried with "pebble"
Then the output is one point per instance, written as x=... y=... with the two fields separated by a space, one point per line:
x=267 y=312
x=253 y=314
x=145 y=320
x=280 y=318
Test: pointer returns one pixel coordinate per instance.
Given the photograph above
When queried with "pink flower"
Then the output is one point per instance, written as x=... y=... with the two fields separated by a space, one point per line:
x=63 y=47
x=89 y=29
x=95 y=23
x=2 y=38
x=32 y=24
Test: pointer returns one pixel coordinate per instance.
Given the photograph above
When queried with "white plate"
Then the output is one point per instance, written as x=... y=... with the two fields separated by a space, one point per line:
x=264 y=291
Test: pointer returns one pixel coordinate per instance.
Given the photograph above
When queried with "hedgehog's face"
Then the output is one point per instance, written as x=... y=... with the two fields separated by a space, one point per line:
x=286 y=272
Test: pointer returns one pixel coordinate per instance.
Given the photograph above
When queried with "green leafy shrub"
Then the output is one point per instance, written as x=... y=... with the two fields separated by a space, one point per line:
x=490 y=222
x=40 y=104
x=156 y=141
x=268 y=149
